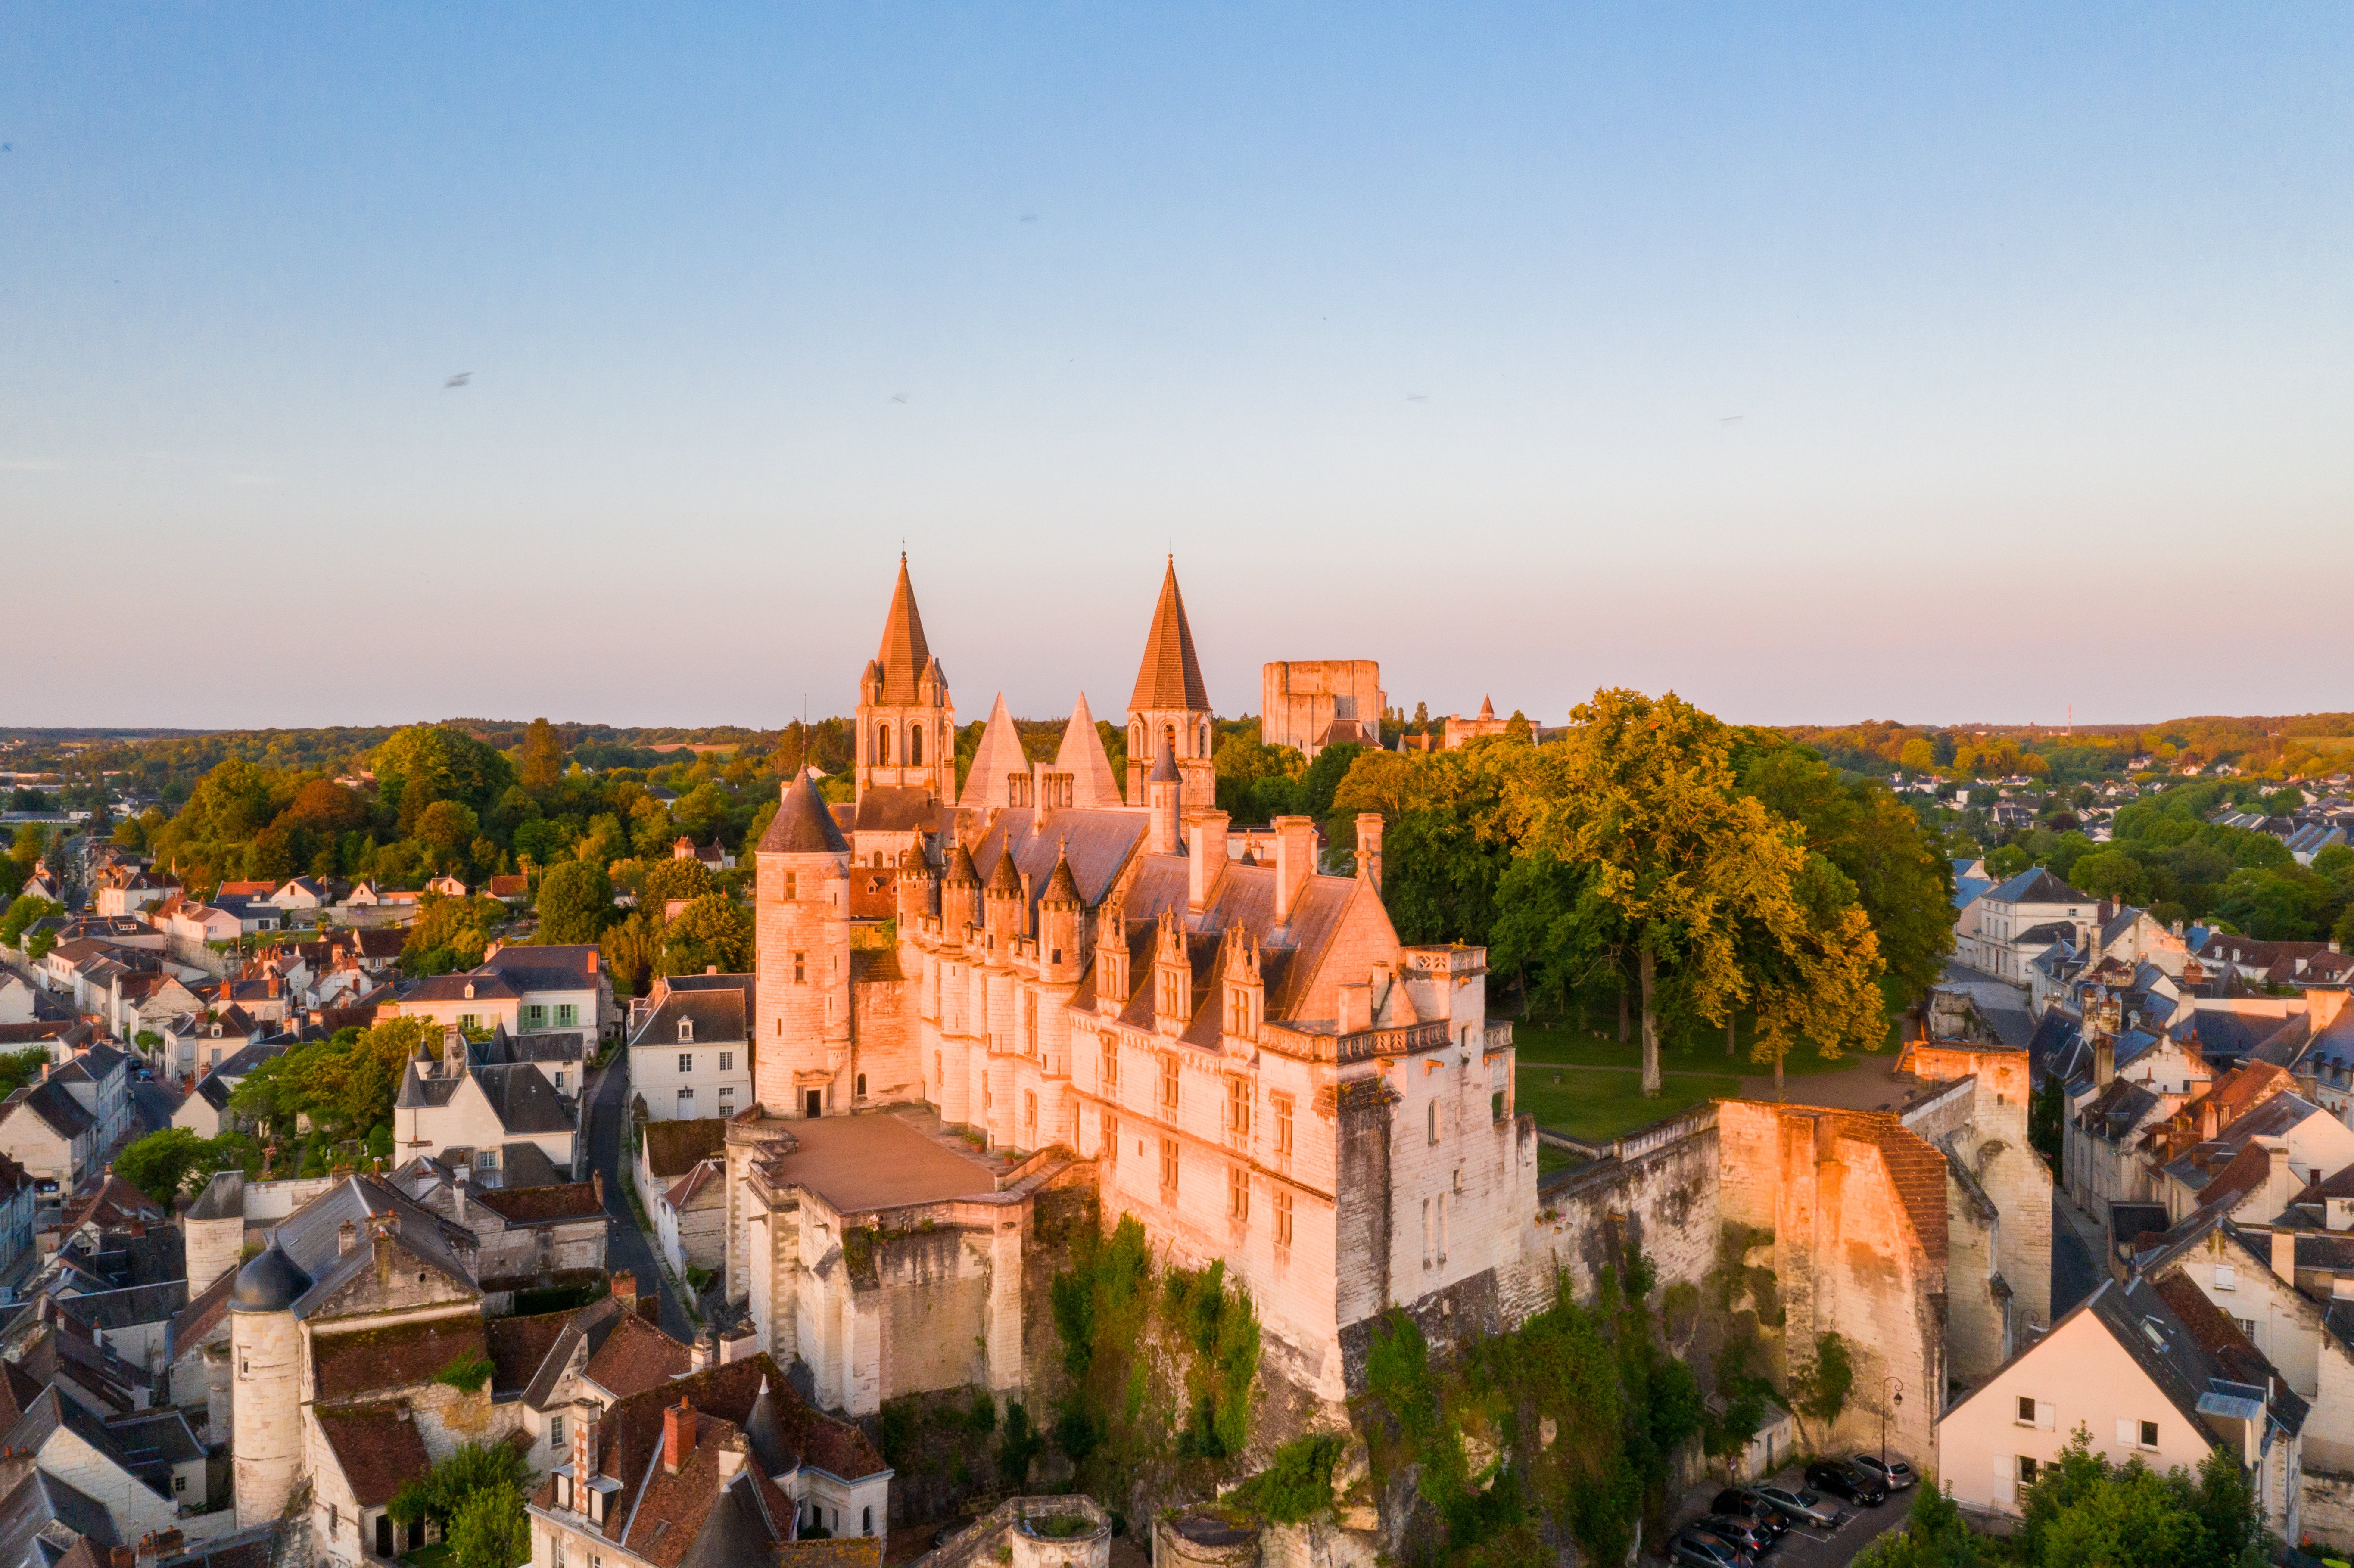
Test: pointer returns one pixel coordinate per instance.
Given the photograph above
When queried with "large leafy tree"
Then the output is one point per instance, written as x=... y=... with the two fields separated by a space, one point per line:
x=576 y=902
x=714 y=929
x=543 y=757
x=1691 y=876
x=2087 y=1513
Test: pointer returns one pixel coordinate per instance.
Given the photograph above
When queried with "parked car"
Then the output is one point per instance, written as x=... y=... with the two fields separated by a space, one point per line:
x=1803 y=1507
x=1842 y=1480
x=1753 y=1539
x=1750 y=1507
x=1702 y=1550
x=1893 y=1474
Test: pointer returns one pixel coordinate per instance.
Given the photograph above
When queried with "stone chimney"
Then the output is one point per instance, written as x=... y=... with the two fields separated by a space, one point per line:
x=382 y=1229
x=347 y=1238
x=733 y=1452
x=2104 y=1060
x=2210 y=1119
x=597 y=1185
x=701 y=1354
x=625 y=1290
x=584 y=1452
x=1164 y=791
x=458 y=1197
x=1369 y=848
x=2280 y=1185
x=1205 y=849
x=678 y=1436
x=2284 y=1257
x=1295 y=861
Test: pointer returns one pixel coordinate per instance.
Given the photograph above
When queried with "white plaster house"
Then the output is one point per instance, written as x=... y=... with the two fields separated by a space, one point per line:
x=448 y=1102
x=691 y=1049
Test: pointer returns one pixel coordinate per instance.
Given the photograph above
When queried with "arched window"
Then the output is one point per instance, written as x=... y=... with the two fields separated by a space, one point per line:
x=883 y=745
x=914 y=745
x=861 y=1085
x=1204 y=749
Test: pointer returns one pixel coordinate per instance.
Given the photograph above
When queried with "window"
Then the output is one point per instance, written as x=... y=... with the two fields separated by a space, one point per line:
x=1434 y=1120
x=861 y=1085
x=1426 y=1233
x=1281 y=1106
x=559 y=1080
x=2226 y=1276
x=536 y=1014
x=883 y=745
x=556 y=1432
x=793 y=890
x=1030 y=1117
x=1169 y=1083
x=1239 y=1109
x=2148 y=1434
x=1110 y=1064
x=866 y=1519
x=2248 y=1326
x=686 y=1105
x=726 y=1100
x=685 y=1030
x=800 y=972
x=1168 y=1168
x=1237 y=1192
x=2026 y=1411
x=914 y=759
x=1282 y=1217
x=1111 y=1140
x=567 y=1014
x=1029 y=1024
x=685 y=1062
x=179 y=1483
x=2027 y=1469
x=486 y=1160
x=727 y=1061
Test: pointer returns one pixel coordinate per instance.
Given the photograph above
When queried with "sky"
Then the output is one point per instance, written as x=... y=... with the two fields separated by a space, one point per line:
x=1929 y=363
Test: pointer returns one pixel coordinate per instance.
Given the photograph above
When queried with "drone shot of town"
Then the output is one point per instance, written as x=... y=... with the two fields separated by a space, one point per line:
x=1042 y=787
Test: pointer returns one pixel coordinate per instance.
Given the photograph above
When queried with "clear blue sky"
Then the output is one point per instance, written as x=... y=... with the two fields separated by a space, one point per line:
x=1935 y=363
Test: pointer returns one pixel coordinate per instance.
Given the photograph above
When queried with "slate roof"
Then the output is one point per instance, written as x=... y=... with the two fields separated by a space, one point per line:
x=53 y=1104
x=1169 y=675
x=203 y=1314
x=2036 y=886
x=378 y=1449
x=311 y=1237
x=39 y=1500
x=2118 y=1110
x=52 y=1409
x=716 y=1017
x=115 y=1203
x=803 y=825
x=2053 y=1046
x=563 y=966
x=126 y=1308
x=1292 y=955
x=897 y=808
x=519 y=1093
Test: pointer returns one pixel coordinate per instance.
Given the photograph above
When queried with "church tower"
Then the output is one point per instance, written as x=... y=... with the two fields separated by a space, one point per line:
x=906 y=725
x=800 y=1055
x=1169 y=710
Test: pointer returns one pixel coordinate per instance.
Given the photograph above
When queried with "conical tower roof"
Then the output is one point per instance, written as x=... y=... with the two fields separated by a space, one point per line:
x=802 y=824
x=1062 y=888
x=1082 y=756
x=1001 y=754
x=961 y=871
x=903 y=653
x=1170 y=676
x=1006 y=878
x=1164 y=769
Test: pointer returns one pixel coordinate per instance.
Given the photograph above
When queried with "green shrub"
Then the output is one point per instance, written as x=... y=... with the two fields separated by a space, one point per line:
x=1298 y=1485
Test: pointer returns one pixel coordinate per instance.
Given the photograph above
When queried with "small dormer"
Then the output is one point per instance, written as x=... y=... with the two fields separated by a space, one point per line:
x=470 y=990
x=686 y=1030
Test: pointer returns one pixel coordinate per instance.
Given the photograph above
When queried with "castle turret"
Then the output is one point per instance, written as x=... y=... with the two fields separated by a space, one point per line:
x=1004 y=908
x=917 y=890
x=214 y=1228
x=265 y=1390
x=1062 y=914
x=959 y=894
x=906 y=725
x=1168 y=712
x=1164 y=792
x=802 y=916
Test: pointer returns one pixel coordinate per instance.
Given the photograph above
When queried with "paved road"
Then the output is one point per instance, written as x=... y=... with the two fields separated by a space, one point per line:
x=627 y=1248
x=152 y=1108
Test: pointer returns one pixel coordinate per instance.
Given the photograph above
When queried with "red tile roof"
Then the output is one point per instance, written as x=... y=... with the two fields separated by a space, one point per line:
x=367 y=1360
x=543 y=1205
x=377 y=1446
x=635 y=1357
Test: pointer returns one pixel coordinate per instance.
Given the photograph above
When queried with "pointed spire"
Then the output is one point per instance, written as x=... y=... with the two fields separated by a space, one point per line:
x=1170 y=676
x=1001 y=754
x=1062 y=888
x=1082 y=756
x=1487 y=707
x=803 y=824
x=1005 y=878
x=1164 y=769
x=903 y=653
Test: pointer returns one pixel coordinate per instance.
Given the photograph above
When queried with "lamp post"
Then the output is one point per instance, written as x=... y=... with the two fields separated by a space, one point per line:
x=1890 y=1388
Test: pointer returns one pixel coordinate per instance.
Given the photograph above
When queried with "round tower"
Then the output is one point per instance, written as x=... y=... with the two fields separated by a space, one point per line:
x=1004 y=908
x=802 y=922
x=265 y=1387
x=214 y=1228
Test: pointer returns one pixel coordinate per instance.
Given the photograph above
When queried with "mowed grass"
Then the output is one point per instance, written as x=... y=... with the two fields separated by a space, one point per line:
x=1598 y=1046
x=1601 y=1106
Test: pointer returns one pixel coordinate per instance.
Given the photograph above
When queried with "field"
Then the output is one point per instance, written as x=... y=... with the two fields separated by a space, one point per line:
x=1598 y=1105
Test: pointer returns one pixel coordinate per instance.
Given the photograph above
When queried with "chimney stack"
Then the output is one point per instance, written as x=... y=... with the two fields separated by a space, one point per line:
x=701 y=1354
x=678 y=1436
x=2104 y=1060
x=625 y=1290
x=458 y=1197
x=2284 y=1257
x=732 y=1455
x=1205 y=858
x=1295 y=861
x=584 y=1452
x=2280 y=1185
x=347 y=1238
x=2210 y=1119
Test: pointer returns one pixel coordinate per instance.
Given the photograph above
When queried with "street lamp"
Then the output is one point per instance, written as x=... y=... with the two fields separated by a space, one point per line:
x=1891 y=1389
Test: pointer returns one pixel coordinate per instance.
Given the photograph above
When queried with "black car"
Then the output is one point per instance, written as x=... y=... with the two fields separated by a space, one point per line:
x=1753 y=1539
x=1842 y=1480
x=1893 y=1474
x=1702 y=1550
x=1750 y=1508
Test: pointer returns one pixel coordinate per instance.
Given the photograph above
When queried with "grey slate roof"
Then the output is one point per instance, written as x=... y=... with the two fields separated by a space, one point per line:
x=125 y=1308
x=803 y=825
x=718 y=1017
x=55 y=1105
x=311 y=1235
x=2036 y=886
x=31 y=1515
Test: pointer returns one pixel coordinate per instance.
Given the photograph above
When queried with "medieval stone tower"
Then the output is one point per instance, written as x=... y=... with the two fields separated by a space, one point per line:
x=800 y=1058
x=1170 y=709
x=266 y=1396
x=906 y=725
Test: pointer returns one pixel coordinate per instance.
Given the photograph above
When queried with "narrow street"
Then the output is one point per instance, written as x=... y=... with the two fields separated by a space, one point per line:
x=628 y=1247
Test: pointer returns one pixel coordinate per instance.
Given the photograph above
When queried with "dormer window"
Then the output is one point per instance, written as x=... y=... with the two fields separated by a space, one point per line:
x=470 y=990
x=685 y=1030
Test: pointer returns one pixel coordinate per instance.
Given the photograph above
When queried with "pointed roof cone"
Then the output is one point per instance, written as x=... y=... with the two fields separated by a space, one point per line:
x=961 y=871
x=1005 y=878
x=1164 y=767
x=1001 y=754
x=1487 y=707
x=1082 y=756
x=903 y=653
x=802 y=824
x=1062 y=888
x=1170 y=676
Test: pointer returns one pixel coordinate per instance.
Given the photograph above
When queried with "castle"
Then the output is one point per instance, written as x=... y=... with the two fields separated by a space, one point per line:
x=1241 y=1056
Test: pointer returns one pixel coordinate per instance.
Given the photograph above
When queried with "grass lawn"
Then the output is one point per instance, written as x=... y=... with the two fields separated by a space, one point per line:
x=1701 y=1053
x=1598 y=1106
x=436 y=1555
